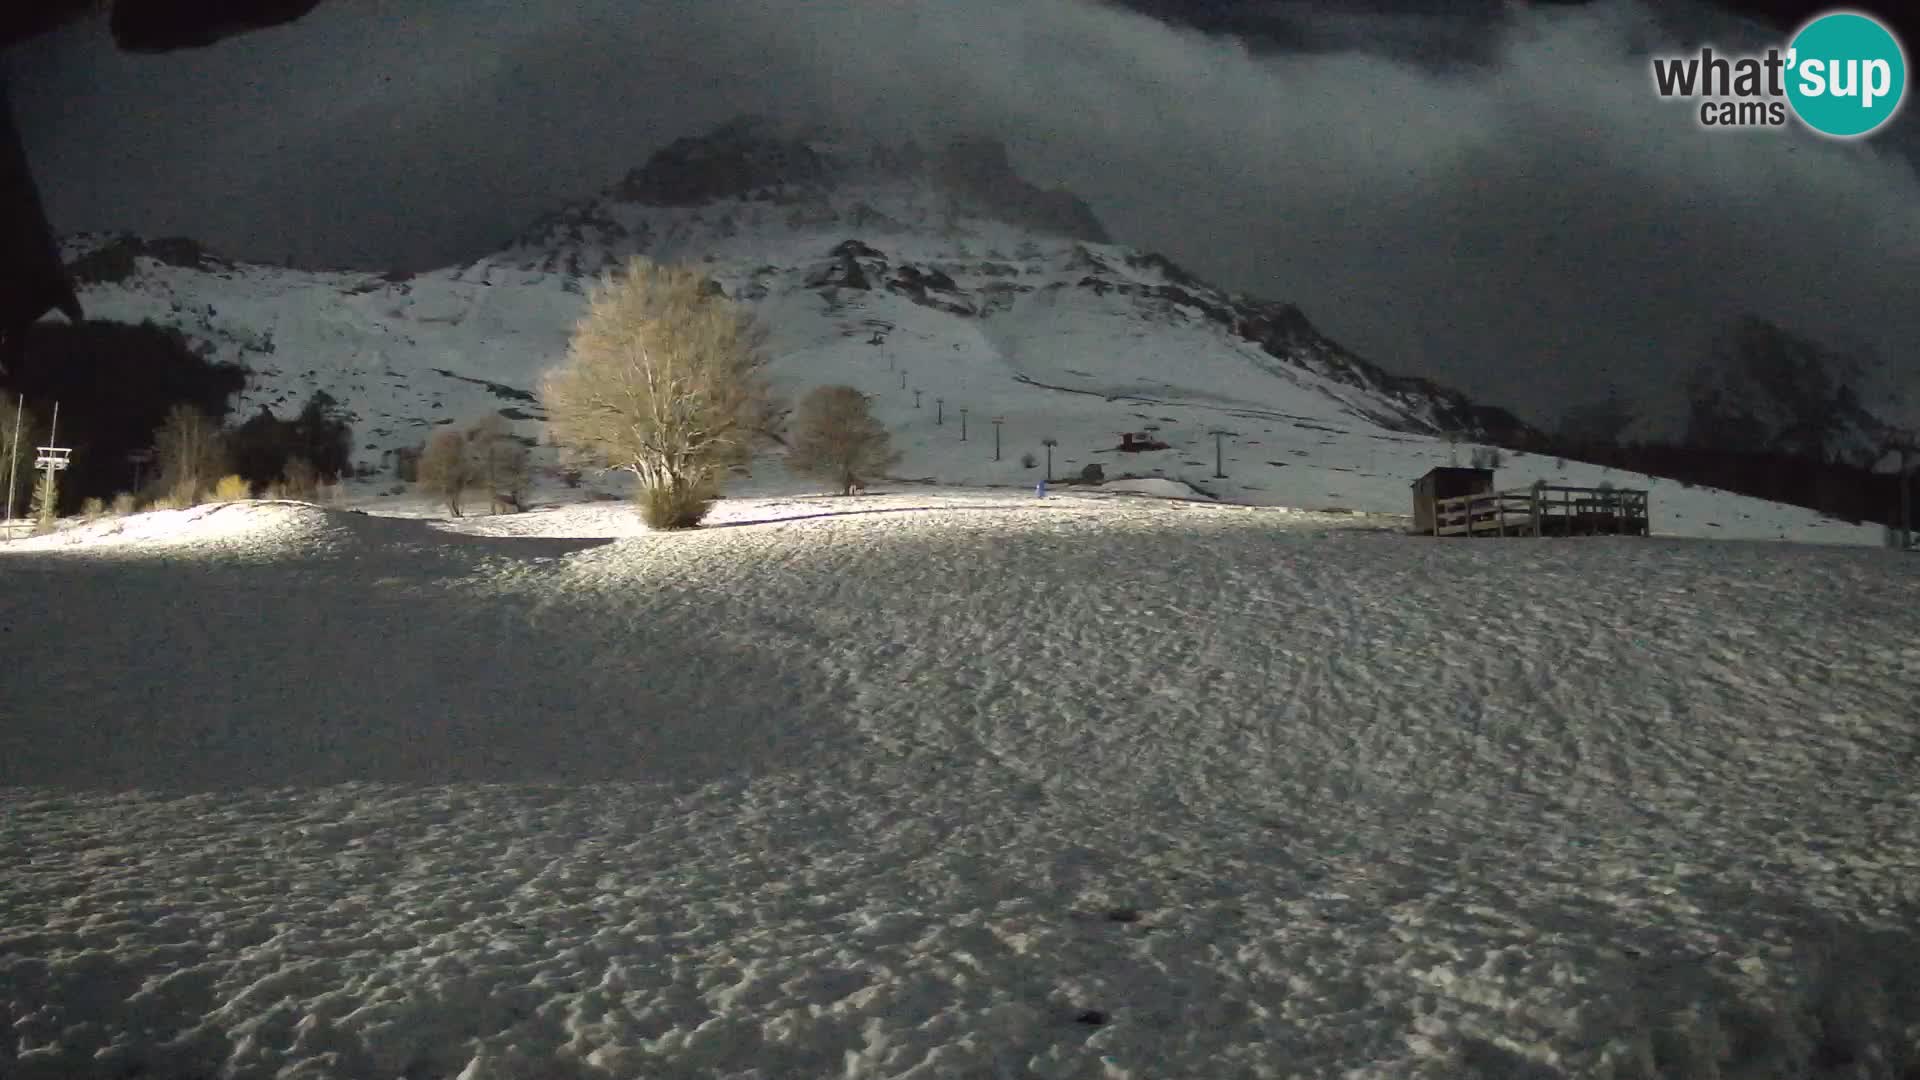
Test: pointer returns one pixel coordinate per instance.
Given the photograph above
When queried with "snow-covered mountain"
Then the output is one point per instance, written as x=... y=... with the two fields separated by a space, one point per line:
x=939 y=282
x=838 y=242
x=1766 y=389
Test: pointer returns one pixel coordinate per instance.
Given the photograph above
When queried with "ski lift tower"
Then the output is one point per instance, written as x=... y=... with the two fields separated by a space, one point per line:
x=52 y=459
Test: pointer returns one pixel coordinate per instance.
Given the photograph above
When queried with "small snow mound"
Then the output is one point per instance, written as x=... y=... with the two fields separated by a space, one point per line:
x=1158 y=487
x=256 y=525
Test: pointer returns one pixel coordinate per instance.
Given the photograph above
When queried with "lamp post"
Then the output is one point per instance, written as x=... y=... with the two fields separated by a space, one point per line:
x=139 y=459
x=13 y=459
x=1049 y=444
x=963 y=425
x=997 y=421
x=1906 y=498
x=1906 y=446
x=939 y=411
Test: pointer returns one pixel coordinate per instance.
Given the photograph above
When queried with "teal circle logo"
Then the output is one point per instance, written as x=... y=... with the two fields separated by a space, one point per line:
x=1846 y=74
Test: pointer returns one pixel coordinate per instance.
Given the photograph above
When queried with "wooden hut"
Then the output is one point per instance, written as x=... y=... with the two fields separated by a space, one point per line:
x=1445 y=483
x=1462 y=502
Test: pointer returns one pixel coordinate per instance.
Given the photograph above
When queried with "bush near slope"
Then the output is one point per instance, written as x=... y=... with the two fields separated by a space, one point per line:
x=500 y=460
x=445 y=469
x=190 y=452
x=265 y=446
x=836 y=437
x=664 y=378
x=485 y=456
x=299 y=480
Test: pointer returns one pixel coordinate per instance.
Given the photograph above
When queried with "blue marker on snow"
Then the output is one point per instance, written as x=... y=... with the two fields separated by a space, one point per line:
x=1040 y=490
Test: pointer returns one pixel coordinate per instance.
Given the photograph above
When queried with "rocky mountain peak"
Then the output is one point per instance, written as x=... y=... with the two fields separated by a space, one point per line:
x=752 y=154
x=977 y=171
x=733 y=160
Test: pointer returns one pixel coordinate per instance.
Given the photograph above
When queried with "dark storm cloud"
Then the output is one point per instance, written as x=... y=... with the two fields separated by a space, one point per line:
x=359 y=136
x=1495 y=199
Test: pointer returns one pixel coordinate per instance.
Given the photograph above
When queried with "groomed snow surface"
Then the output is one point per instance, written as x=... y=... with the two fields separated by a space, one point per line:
x=949 y=784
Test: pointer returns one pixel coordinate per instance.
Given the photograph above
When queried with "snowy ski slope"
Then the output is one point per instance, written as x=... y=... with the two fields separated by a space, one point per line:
x=951 y=783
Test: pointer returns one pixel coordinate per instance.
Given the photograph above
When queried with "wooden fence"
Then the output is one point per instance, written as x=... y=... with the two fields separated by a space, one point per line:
x=1547 y=510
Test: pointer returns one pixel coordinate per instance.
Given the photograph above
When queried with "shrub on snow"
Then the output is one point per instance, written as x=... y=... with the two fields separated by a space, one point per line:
x=835 y=436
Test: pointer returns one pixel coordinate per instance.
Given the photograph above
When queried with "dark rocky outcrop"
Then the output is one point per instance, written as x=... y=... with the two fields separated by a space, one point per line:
x=911 y=278
x=759 y=159
x=1166 y=268
x=734 y=161
x=855 y=249
x=115 y=261
x=843 y=272
x=978 y=173
x=931 y=287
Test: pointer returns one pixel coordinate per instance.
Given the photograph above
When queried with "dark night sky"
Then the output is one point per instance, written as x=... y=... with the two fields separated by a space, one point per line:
x=1484 y=192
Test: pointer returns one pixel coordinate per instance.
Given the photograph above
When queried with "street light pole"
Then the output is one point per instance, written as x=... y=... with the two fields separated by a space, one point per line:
x=13 y=459
x=1219 y=472
x=939 y=411
x=997 y=421
x=1049 y=444
x=963 y=425
x=1906 y=444
x=1906 y=497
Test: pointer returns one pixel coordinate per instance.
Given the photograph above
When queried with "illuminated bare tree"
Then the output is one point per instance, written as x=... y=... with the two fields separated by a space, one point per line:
x=664 y=378
x=191 y=452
